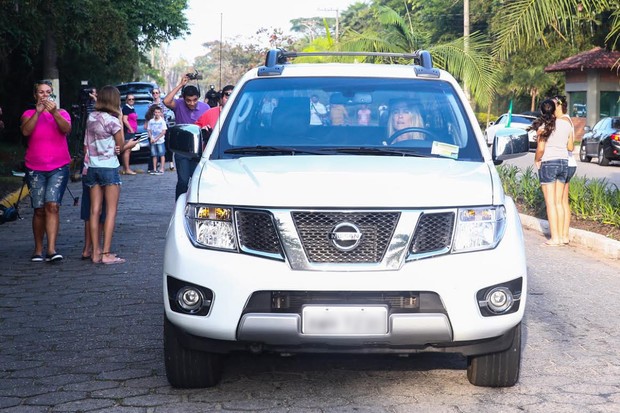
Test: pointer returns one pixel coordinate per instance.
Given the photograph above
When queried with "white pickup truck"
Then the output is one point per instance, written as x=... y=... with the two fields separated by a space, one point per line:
x=387 y=234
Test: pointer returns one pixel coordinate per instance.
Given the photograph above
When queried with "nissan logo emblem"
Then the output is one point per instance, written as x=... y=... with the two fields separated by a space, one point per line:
x=345 y=236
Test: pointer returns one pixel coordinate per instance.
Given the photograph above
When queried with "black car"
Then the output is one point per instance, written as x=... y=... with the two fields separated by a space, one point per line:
x=602 y=141
x=140 y=90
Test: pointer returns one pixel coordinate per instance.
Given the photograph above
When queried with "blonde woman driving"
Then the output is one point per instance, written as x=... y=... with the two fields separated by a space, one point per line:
x=405 y=123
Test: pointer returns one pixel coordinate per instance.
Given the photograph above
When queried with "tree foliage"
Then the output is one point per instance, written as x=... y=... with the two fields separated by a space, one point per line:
x=522 y=22
x=466 y=59
x=101 y=41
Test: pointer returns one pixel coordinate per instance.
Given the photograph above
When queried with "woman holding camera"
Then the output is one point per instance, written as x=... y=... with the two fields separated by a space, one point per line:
x=47 y=167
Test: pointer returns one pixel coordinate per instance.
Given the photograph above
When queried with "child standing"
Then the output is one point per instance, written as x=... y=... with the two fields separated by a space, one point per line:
x=156 y=129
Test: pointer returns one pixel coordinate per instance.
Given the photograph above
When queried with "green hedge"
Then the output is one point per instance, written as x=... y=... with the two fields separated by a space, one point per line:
x=591 y=199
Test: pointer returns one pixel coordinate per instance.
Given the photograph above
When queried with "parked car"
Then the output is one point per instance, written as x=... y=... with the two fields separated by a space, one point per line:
x=517 y=121
x=602 y=141
x=313 y=237
x=140 y=90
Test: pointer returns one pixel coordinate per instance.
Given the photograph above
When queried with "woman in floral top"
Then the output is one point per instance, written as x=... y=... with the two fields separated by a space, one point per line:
x=104 y=140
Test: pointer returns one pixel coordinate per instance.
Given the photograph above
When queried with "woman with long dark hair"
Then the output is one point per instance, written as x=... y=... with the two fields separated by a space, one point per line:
x=555 y=139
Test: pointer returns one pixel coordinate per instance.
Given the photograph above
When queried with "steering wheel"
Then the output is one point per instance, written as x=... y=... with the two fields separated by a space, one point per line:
x=411 y=129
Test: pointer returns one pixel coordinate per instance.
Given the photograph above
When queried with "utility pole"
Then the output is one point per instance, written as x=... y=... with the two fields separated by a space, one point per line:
x=466 y=38
x=337 y=20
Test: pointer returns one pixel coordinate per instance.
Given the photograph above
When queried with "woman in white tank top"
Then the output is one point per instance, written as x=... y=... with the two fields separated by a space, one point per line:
x=561 y=114
x=551 y=159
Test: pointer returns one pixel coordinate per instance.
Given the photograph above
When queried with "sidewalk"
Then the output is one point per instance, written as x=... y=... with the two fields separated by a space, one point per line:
x=606 y=247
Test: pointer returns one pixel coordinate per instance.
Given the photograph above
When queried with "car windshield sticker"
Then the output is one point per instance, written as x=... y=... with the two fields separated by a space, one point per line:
x=445 y=149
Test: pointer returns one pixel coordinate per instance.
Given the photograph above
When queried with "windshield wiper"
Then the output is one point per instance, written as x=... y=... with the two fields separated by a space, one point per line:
x=374 y=150
x=272 y=150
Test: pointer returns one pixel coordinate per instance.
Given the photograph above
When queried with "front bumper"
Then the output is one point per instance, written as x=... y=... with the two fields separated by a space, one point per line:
x=455 y=279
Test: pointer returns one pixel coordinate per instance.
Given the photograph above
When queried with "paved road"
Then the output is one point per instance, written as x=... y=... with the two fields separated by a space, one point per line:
x=82 y=337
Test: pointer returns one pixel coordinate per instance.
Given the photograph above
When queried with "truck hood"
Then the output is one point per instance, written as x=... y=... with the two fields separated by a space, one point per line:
x=342 y=182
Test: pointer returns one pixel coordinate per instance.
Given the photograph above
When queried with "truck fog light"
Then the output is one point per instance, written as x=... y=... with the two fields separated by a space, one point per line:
x=190 y=299
x=499 y=299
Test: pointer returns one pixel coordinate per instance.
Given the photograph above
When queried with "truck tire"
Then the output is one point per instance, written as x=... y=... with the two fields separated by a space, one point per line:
x=497 y=369
x=187 y=368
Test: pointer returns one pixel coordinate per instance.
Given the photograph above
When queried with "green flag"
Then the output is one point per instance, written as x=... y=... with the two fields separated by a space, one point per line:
x=509 y=114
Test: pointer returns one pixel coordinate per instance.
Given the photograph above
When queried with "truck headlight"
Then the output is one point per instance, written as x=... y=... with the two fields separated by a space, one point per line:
x=479 y=228
x=211 y=226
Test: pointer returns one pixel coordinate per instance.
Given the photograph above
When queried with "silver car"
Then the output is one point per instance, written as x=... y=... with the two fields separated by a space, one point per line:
x=516 y=121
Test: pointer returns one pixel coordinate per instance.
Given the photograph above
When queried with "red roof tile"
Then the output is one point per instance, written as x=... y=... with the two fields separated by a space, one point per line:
x=596 y=58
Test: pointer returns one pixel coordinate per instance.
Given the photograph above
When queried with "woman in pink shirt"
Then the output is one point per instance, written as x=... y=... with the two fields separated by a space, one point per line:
x=47 y=167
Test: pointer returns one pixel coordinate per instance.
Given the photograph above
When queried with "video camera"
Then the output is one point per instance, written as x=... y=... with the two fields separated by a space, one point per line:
x=212 y=96
x=84 y=96
x=194 y=76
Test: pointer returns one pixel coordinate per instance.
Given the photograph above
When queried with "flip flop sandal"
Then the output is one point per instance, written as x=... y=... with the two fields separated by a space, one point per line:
x=116 y=260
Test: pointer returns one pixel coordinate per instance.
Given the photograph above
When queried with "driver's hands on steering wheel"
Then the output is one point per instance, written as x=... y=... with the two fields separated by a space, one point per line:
x=412 y=129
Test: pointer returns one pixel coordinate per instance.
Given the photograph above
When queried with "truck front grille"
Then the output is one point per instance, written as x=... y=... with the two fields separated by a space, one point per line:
x=314 y=228
x=433 y=233
x=257 y=232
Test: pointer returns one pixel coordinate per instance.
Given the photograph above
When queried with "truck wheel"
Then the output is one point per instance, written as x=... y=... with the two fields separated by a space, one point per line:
x=186 y=368
x=582 y=154
x=601 y=157
x=497 y=369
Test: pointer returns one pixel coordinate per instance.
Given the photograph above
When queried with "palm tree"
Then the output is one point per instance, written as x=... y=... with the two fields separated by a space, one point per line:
x=395 y=34
x=531 y=81
x=526 y=21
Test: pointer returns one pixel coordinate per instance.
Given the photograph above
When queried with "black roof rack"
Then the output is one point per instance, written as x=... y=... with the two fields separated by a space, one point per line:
x=277 y=58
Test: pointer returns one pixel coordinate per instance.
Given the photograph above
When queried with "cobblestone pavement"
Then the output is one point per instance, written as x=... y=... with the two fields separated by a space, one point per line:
x=76 y=337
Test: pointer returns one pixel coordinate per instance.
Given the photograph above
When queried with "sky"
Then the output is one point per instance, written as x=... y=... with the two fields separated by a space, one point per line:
x=231 y=19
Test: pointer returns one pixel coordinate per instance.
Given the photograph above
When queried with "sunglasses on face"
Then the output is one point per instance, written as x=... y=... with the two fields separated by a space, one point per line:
x=156 y=93
x=227 y=94
x=130 y=99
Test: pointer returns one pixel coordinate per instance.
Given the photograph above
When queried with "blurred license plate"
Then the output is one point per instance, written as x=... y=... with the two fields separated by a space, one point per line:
x=344 y=320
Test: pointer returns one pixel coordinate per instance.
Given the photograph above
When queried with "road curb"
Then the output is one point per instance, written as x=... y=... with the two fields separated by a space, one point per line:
x=598 y=243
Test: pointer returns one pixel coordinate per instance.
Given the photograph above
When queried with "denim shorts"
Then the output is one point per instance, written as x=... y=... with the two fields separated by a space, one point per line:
x=553 y=170
x=571 y=172
x=158 y=149
x=101 y=177
x=47 y=186
x=129 y=136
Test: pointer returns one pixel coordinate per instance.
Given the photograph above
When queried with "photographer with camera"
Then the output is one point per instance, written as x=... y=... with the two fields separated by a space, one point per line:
x=187 y=110
x=212 y=97
x=210 y=117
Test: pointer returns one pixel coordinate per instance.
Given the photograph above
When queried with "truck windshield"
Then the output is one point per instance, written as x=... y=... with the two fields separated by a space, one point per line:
x=424 y=117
